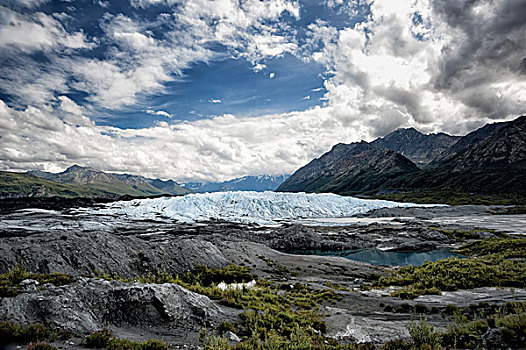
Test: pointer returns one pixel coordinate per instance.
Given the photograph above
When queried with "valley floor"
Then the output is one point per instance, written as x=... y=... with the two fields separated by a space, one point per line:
x=352 y=302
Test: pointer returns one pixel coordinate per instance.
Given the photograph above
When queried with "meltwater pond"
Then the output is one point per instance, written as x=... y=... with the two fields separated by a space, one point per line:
x=380 y=257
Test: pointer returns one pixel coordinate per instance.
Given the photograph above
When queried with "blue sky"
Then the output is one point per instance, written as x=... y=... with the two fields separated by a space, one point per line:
x=229 y=86
x=216 y=89
x=225 y=82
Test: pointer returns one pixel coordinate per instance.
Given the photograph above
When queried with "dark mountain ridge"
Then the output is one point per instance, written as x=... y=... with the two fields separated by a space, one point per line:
x=348 y=169
x=416 y=146
x=491 y=159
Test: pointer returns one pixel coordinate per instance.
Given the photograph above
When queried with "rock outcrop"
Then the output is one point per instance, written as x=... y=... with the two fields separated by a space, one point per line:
x=89 y=304
x=126 y=256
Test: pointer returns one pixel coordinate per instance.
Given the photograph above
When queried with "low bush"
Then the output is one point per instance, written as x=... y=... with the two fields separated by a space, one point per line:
x=99 y=339
x=11 y=332
x=10 y=281
x=104 y=339
x=41 y=346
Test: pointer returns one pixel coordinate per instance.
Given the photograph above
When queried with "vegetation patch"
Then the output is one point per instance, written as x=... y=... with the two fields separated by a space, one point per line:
x=285 y=314
x=11 y=332
x=104 y=339
x=508 y=248
x=41 y=346
x=480 y=326
x=511 y=210
x=9 y=282
x=493 y=262
x=488 y=326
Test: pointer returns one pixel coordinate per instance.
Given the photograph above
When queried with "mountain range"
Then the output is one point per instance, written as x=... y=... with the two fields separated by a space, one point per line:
x=491 y=159
x=77 y=181
x=258 y=183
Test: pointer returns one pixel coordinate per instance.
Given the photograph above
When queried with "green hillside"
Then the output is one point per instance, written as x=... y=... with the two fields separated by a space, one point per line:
x=24 y=185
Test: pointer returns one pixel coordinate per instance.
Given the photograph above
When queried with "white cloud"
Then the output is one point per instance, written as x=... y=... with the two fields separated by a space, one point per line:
x=214 y=100
x=29 y=3
x=271 y=75
x=37 y=32
x=386 y=71
x=306 y=97
x=101 y=3
x=259 y=67
x=211 y=149
x=160 y=112
x=137 y=63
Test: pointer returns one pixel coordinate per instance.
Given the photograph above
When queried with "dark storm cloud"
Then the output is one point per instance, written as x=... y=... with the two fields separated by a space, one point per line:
x=488 y=45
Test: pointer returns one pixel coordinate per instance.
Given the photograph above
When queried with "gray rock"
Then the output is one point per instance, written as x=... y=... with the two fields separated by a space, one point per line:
x=28 y=285
x=91 y=304
x=231 y=336
x=126 y=256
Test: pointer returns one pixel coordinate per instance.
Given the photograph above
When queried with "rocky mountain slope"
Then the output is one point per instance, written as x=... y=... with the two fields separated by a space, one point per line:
x=156 y=186
x=416 y=146
x=246 y=183
x=491 y=159
x=348 y=169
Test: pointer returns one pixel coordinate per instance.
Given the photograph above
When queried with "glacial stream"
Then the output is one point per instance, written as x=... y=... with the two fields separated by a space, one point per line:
x=380 y=257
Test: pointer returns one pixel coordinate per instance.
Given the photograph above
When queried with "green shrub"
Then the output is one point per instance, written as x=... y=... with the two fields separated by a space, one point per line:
x=231 y=274
x=423 y=335
x=9 y=281
x=212 y=342
x=99 y=339
x=11 y=332
x=421 y=309
x=154 y=344
x=396 y=344
x=41 y=346
x=123 y=344
x=226 y=326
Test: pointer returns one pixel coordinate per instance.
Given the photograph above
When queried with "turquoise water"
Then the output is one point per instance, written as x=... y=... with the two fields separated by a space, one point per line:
x=380 y=257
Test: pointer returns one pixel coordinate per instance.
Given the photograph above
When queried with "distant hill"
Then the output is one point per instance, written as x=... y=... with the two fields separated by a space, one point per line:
x=98 y=183
x=348 y=169
x=13 y=185
x=490 y=160
x=247 y=183
x=156 y=186
x=416 y=146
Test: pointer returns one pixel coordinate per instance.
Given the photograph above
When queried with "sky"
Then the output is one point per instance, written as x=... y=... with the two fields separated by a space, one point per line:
x=210 y=90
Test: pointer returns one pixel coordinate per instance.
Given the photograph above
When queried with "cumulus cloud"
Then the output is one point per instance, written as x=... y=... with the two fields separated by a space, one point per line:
x=210 y=149
x=137 y=63
x=214 y=100
x=37 y=32
x=437 y=65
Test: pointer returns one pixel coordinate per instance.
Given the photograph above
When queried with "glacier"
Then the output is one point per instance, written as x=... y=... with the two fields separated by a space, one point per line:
x=264 y=208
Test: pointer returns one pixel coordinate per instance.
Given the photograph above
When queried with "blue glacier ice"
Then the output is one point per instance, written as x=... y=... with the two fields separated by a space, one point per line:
x=250 y=207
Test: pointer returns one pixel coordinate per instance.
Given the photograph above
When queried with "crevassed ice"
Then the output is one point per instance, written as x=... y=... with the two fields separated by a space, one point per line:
x=257 y=207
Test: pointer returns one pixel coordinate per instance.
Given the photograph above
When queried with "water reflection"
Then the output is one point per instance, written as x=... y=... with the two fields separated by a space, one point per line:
x=380 y=257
